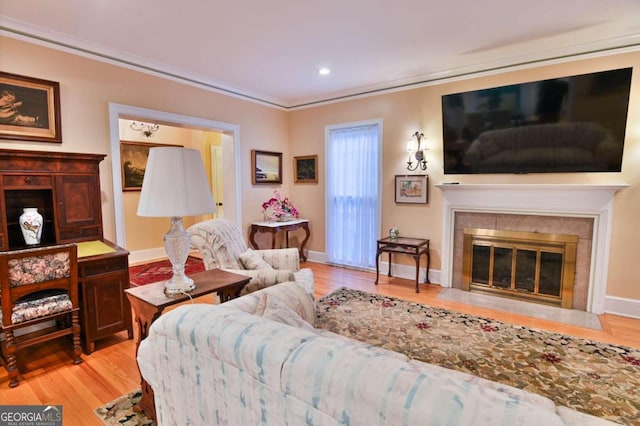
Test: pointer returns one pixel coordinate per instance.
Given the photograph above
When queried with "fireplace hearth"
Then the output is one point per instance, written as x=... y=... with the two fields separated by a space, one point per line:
x=531 y=266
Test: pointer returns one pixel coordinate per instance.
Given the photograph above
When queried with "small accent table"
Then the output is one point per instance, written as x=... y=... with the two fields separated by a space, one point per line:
x=414 y=247
x=148 y=302
x=275 y=227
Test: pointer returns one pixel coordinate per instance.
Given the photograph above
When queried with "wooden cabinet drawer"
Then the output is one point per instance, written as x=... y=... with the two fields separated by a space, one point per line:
x=101 y=267
x=26 y=181
x=78 y=234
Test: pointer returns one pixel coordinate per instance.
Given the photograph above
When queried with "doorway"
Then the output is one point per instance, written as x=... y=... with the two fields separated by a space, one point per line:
x=230 y=165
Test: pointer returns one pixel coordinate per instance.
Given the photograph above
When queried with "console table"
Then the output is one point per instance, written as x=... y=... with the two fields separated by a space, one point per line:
x=414 y=247
x=148 y=301
x=275 y=227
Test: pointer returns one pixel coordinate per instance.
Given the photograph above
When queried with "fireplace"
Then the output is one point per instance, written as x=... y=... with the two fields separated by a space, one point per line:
x=531 y=266
x=584 y=210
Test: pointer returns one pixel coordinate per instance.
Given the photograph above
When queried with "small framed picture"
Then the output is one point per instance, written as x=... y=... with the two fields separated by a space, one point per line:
x=412 y=189
x=133 y=162
x=266 y=167
x=305 y=169
x=29 y=109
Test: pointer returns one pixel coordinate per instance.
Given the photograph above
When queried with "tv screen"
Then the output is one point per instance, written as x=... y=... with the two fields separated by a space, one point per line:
x=570 y=124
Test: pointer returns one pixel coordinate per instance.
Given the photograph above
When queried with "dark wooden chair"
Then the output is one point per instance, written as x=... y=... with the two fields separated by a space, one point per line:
x=38 y=285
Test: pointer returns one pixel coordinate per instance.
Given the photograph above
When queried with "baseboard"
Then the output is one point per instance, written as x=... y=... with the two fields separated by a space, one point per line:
x=141 y=256
x=622 y=306
x=147 y=255
x=400 y=271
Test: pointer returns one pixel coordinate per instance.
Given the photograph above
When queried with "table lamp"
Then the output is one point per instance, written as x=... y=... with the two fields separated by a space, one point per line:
x=175 y=185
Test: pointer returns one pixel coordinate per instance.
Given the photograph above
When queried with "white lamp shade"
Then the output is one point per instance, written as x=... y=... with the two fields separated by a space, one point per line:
x=175 y=184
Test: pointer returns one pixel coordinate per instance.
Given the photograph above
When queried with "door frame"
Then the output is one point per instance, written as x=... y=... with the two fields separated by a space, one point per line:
x=230 y=142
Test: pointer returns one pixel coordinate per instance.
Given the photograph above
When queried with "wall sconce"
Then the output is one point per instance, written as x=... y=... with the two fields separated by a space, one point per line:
x=147 y=129
x=416 y=147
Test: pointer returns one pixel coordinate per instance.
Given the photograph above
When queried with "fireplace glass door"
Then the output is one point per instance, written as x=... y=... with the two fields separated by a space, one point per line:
x=515 y=266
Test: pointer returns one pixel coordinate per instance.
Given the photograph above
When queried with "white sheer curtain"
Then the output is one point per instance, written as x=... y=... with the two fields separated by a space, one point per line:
x=352 y=194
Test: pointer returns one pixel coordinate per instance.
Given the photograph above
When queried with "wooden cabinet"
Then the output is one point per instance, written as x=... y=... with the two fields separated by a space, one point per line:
x=104 y=309
x=78 y=207
x=65 y=188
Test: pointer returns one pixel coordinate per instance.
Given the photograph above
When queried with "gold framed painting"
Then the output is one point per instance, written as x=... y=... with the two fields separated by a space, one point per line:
x=133 y=163
x=305 y=169
x=266 y=167
x=29 y=109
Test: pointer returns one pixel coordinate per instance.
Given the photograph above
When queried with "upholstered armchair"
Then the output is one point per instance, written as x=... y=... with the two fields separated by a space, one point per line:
x=38 y=285
x=222 y=245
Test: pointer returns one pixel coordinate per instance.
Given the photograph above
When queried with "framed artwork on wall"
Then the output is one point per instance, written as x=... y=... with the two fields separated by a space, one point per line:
x=305 y=169
x=133 y=163
x=29 y=109
x=266 y=167
x=412 y=189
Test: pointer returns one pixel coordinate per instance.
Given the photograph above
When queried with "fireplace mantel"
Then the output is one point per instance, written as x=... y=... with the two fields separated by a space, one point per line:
x=578 y=200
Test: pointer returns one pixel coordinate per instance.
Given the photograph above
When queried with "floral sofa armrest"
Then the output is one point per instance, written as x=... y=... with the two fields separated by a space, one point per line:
x=261 y=278
x=286 y=258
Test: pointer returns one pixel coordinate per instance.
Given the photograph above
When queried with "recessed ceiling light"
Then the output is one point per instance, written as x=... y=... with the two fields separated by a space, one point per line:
x=324 y=71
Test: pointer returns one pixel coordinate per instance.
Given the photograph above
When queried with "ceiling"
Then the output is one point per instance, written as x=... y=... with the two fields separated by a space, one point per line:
x=270 y=51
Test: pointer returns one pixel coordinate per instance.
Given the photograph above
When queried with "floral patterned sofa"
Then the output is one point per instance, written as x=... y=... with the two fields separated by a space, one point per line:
x=258 y=360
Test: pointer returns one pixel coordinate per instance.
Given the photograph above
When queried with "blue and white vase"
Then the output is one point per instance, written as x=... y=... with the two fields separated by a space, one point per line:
x=31 y=225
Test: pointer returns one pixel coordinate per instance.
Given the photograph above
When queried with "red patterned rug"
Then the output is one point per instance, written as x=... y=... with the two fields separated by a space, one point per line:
x=161 y=271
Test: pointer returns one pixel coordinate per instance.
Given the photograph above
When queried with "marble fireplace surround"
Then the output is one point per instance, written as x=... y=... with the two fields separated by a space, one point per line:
x=582 y=209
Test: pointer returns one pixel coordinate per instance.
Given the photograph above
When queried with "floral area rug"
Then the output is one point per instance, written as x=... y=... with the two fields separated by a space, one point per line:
x=120 y=412
x=161 y=270
x=597 y=378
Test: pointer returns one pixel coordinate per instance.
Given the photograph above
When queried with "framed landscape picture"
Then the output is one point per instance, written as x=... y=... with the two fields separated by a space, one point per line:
x=305 y=169
x=133 y=161
x=266 y=167
x=412 y=189
x=29 y=109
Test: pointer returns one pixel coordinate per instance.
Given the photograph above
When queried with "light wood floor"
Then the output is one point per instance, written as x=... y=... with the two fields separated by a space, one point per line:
x=50 y=378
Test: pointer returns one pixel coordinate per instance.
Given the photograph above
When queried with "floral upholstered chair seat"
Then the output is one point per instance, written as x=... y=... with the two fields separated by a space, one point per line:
x=39 y=305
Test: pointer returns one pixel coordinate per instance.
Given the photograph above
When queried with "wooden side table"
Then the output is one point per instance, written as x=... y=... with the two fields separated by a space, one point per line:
x=148 y=302
x=275 y=227
x=414 y=247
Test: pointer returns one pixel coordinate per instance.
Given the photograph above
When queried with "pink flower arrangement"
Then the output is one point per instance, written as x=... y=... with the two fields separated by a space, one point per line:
x=277 y=207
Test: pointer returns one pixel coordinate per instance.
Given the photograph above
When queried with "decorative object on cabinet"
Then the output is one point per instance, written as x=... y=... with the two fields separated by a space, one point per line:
x=266 y=167
x=133 y=162
x=176 y=185
x=31 y=225
x=65 y=188
x=38 y=285
x=412 y=189
x=29 y=109
x=416 y=147
x=305 y=169
x=394 y=232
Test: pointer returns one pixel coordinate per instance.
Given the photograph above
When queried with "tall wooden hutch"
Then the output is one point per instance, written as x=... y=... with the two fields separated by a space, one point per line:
x=65 y=188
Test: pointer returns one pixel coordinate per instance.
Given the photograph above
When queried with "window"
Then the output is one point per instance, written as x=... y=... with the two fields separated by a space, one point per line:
x=353 y=154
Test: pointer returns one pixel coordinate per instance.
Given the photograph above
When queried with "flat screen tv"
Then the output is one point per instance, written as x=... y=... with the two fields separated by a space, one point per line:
x=569 y=124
